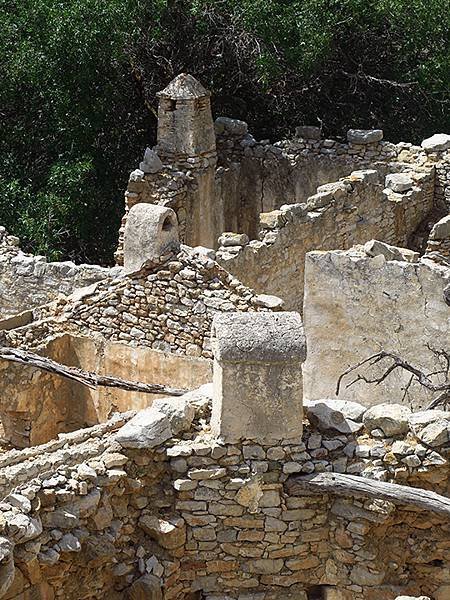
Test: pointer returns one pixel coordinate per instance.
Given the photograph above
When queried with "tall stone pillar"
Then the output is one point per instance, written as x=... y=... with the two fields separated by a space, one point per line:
x=186 y=139
x=258 y=359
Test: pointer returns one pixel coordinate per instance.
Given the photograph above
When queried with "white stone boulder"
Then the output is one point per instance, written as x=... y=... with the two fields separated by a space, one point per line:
x=22 y=528
x=441 y=230
x=151 y=163
x=229 y=238
x=375 y=248
x=340 y=415
x=364 y=136
x=398 y=182
x=436 y=143
x=392 y=419
x=179 y=410
x=147 y=429
x=268 y=301
x=432 y=427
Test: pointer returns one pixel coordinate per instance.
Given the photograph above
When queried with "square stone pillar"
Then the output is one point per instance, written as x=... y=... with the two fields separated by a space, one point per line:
x=257 y=377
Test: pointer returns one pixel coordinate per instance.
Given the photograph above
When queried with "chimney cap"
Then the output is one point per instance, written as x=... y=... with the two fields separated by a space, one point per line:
x=184 y=87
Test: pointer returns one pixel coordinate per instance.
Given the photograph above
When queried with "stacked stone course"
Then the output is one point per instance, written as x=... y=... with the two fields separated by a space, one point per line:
x=194 y=514
x=169 y=310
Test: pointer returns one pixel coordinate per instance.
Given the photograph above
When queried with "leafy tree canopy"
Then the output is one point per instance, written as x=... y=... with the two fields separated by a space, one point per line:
x=79 y=77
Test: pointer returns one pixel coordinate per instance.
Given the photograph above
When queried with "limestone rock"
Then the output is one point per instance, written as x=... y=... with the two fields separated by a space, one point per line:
x=169 y=534
x=441 y=230
x=149 y=428
x=230 y=126
x=375 y=248
x=431 y=426
x=151 y=233
x=69 y=543
x=250 y=494
x=228 y=238
x=436 y=433
x=436 y=143
x=268 y=301
x=6 y=565
x=151 y=163
x=147 y=587
x=340 y=415
x=22 y=528
x=392 y=419
x=364 y=136
x=179 y=410
x=398 y=182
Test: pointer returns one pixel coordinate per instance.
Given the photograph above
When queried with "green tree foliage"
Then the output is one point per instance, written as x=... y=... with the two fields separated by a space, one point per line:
x=79 y=77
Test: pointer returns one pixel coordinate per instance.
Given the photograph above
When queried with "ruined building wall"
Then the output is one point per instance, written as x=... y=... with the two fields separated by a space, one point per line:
x=355 y=209
x=356 y=305
x=27 y=281
x=36 y=406
x=170 y=310
x=146 y=510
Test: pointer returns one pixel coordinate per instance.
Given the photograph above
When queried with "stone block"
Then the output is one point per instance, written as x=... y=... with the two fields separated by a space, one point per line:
x=229 y=238
x=338 y=415
x=375 y=248
x=151 y=163
x=438 y=142
x=399 y=182
x=149 y=428
x=230 y=126
x=441 y=230
x=151 y=233
x=364 y=136
x=257 y=376
x=392 y=419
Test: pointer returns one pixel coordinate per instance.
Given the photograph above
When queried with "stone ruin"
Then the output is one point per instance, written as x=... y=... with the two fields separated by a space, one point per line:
x=250 y=276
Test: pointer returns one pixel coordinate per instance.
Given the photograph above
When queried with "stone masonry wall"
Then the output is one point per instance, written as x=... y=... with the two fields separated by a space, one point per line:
x=354 y=209
x=27 y=281
x=170 y=309
x=162 y=510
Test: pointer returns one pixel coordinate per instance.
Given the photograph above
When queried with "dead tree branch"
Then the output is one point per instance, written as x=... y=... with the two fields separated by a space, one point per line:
x=87 y=378
x=353 y=486
x=424 y=379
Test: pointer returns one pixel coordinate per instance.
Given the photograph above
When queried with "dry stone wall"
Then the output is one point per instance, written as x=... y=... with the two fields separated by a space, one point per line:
x=356 y=305
x=27 y=281
x=162 y=510
x=352 y=210
x=170 y=309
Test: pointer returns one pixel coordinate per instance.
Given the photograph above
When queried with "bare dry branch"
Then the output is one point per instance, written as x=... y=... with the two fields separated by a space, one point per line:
x=87 y=378
x=418 y=375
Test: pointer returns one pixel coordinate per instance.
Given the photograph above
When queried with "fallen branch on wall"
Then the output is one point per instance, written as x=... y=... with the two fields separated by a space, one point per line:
x=424 y=379
x=87 y=378
x=353 y=486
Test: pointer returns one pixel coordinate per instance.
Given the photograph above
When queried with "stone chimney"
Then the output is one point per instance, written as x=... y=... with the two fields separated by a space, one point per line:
x=185 y=125
x=150 y=237
x=257 y=377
